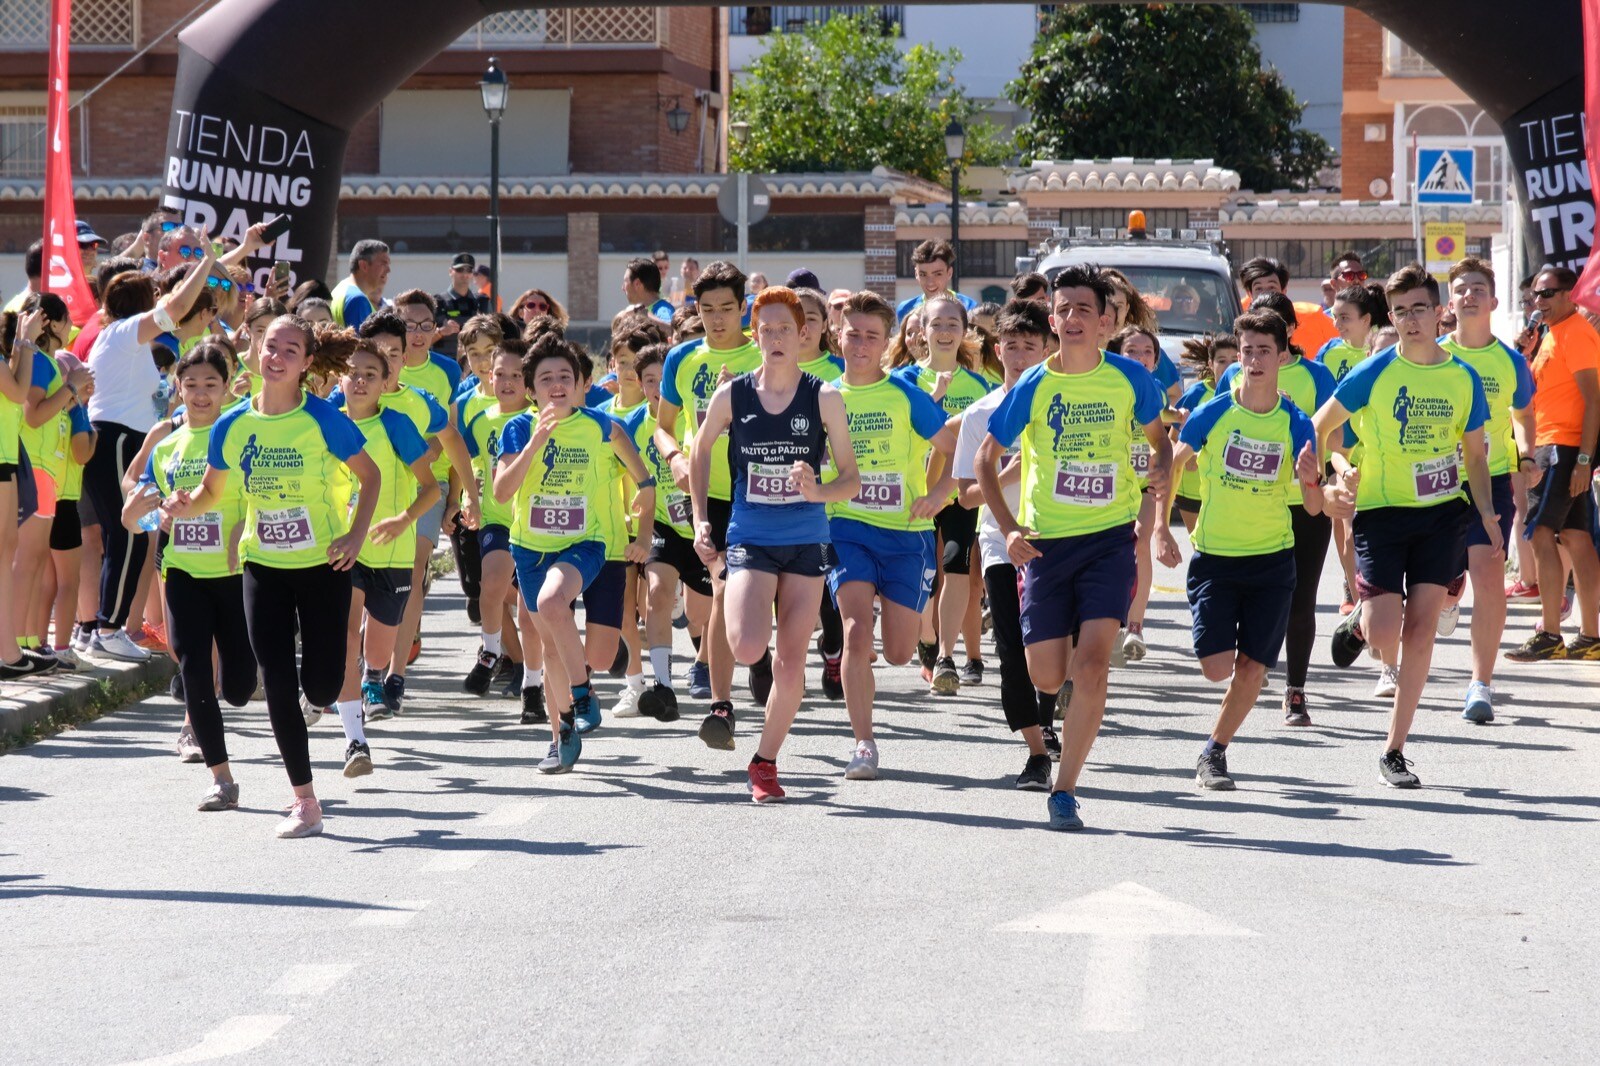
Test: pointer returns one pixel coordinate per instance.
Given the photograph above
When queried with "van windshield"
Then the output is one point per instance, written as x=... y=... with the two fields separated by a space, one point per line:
x=1186 y=302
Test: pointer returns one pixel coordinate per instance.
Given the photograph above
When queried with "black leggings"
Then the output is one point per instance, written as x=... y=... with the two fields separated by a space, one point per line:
x=1311 y=536
x=124 y=551
x=275 y=600
x=202 y=611
x=832 y=628
x=1023 y=704
x=469 y=566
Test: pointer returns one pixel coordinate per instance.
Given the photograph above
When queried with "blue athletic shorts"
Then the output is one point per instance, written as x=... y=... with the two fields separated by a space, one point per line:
x=900 y=564
x=1398 y=548
x=586 y=557
x=1505 y=509
x=1077 y=580
x=1241 y=603
x=495 y=538
x=602 y=597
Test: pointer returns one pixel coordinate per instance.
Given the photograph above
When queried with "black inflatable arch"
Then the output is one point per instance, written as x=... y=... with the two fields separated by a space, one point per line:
x=267 y=92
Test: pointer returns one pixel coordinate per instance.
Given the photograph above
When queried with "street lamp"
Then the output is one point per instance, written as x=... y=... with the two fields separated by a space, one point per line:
x=495 y=88
x=955 y=146
x=740 y=132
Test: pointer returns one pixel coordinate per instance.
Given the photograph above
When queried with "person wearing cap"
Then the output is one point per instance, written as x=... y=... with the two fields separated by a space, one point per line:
x=90 y=245
x=457 y=304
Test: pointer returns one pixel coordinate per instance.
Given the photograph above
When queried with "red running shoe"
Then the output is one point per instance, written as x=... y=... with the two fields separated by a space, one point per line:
x=764 y=787
x=1518 y=591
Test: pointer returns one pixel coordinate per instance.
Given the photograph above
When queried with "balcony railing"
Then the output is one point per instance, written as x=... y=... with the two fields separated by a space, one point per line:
x=541 y=27
x=25 y=24
x=1400 y=60
x=757 y=20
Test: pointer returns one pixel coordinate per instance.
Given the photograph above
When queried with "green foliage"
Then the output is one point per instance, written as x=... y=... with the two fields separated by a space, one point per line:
x=840 y=96
x=1175 y=81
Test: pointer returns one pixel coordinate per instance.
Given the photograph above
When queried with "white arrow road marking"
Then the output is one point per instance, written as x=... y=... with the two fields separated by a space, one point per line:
x=1120 y=921
x=396 y=912
x=310 y=980
x=235 y=1036
x=510 y=814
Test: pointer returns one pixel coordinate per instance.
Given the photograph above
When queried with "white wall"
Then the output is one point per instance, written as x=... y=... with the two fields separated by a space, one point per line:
x=1310 y=55
x=836 y=270
x=431 y=271
x=443 y=131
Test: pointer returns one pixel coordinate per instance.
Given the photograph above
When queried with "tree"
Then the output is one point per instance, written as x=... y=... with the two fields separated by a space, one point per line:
x=841 y=96
x=1167 y=80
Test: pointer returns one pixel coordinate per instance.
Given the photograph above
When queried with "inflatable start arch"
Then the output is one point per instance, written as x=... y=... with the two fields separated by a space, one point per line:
x=267 y=92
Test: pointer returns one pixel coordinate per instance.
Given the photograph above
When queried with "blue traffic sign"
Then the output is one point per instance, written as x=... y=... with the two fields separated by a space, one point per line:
x=1444 y=175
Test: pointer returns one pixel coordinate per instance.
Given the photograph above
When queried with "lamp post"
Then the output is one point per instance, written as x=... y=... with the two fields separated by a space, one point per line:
x=495 y=88
x=955 y=146
x=740 y=132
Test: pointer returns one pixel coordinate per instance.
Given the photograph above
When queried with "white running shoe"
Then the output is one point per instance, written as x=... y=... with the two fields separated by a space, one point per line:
x=189 y=747
x=1388 y=682
x=627 y=705
x=864 y=767
x=117 y=645
x=1119 y=651
x=313 y=714
x=304 y=820
x=1133 y=646
x=1448 y=619
x=81 y=638
x=68 y=658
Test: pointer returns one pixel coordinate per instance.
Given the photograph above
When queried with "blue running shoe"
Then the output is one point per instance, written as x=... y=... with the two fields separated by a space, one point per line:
x=586 y=709
x=551 y=763
x=373 y=706
x=699 y=680
x=570 y=748
x=1480 y=703
x=1063 y=807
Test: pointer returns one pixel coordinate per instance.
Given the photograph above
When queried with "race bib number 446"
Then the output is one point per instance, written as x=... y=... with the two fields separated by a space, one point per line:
x=1086 y=484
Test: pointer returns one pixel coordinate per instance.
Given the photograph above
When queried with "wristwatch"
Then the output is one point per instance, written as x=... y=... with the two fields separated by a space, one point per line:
x=1583 y=458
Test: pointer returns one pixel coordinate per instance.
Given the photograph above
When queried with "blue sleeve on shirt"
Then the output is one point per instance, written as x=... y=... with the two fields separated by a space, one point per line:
x=596 y=396
x=1016 y=410
x=1197 y=429
x=1166 y=371
x=451 y=368
x=514 y=436
x=468 y=434
x=340 y=433
x=1355 y=391
x=927 y=417
x=1479 y=412
x=1522 y=394
x=1225 y=382
x=336 y=397
x=1322 y=351
x=1322 y=379
x=219 y=435
x=357 y=309
x=1192 y=396
x=403 y=436
x=465 y=389
x=907 y=306
x=604 y=420
x=669 y=372
x=1301 y=431
x=1148 y=398
x=80 y=420
x=438 y=417
x=44 y=369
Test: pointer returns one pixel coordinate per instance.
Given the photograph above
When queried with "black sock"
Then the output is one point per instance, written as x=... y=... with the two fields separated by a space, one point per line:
x=832 y=629
x=695 y=641
x=569 y=718
x=756 y=760
x=1212 y=745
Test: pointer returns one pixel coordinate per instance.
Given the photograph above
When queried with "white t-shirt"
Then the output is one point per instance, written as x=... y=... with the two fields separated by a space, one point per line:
x=125 y=378
x=975 y=427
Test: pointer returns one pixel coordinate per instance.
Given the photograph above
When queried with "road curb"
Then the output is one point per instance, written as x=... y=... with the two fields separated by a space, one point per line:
x=74 y=696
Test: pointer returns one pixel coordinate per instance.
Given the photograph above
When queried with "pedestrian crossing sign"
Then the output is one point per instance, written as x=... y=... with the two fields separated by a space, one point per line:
x=1446 y=175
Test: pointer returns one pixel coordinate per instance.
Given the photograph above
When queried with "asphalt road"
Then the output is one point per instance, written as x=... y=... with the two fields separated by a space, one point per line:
x=463 y=908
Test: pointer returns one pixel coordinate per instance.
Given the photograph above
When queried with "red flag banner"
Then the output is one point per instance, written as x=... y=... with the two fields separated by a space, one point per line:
x=63 y=267
x=1588 y=291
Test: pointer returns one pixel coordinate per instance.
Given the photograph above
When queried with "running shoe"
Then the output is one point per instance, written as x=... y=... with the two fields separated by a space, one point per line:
x=571 y=745
x=357 y=759
x=1388 y=682
x=627 y=705
x=82 y=638
x=416 y=650
x=1347 y=604
x=1348 y=640
x=313 y=715
x=474 y=611
x=189 y=747
x=1035 y=776
x=864 y=765
x=972 y=673
x=67 y=659
x=1479 y=705
x=1063 y=701
x=394 y=692
x=1294 y=707
x=1119 y=651
x=1539 y=647
x=533 y=712
x=175 y=688
x=508 y=677
x=764 y=787
x=659 y=702
x=1584 y=649
x=1394 y=770
x=151 y=638
x=373 y=709
x=1063 y=808
x=761 y=678
x=1052 y=743
x=23 y=667
x=716 y=730
x=482 y=673
x=699 y=680
x=221 y=796
x=586 y=712
x=1449 y=618
x=946 y=682
x=116 y=645
x=304 y=819
x=832 y=677
x=1211 y=771
x=1133 y=646
x=927 y=655
x=1518 y=591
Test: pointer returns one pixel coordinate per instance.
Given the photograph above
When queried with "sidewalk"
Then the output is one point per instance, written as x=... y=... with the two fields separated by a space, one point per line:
x=64 y=698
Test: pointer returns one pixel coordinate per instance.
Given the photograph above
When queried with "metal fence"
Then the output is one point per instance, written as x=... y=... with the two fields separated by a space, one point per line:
x=25 y=24
x=757 y=20
x=541 y=27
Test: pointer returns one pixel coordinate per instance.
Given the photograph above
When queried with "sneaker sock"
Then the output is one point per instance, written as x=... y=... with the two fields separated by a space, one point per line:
x=532 y=678
x=634 y=682
x=350 y=718
x=1212 y=745
x=661 y=664
x=756 y=760
x=491 y=643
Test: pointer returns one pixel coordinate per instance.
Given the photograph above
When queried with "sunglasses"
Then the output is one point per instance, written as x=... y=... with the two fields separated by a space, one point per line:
x=214 y=282
x=1547 y=294
x=168 y=227
x=1352 y=275
x=536 y=307
x=189 y=252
